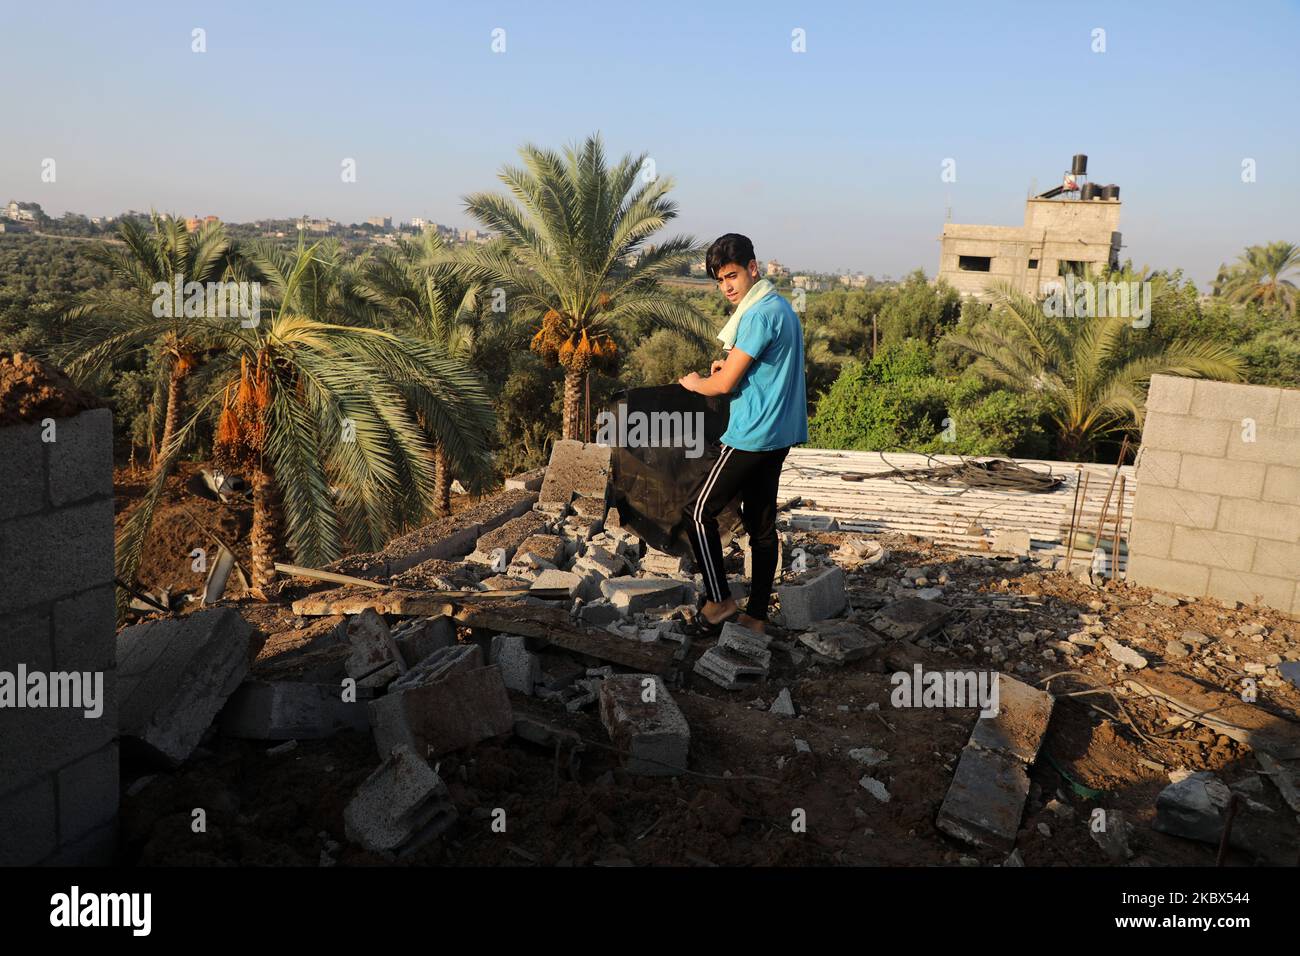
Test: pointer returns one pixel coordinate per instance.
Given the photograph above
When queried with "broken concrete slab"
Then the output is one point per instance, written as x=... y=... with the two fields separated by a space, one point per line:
x=286 y=710
x=1195 y=807
x=783 y=706
x=521 y=669
x=527 y=481
x=418 y=637
x=400 y=807
x=450 y=701
x=566 y=580
x=548 y=547
x=633 y=595
x=373 y=647
x=497 y=547
x=910 y=618
x=576 y=469
x=1020 y=724
x=984 y=804
x=174 y=676
x=643 y=720
x=838 y=642
x=875 y=788
x=601 y=562
x=659 y=562
x=747 y=643
x=589 y=507
x=1123 y=654
x=599 y=613
x=818 y=596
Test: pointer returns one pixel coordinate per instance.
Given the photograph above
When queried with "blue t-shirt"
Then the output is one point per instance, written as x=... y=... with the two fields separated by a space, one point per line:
x=771 y=408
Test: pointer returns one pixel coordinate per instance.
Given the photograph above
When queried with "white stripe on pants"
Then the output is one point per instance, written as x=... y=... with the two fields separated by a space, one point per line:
x=709 y=574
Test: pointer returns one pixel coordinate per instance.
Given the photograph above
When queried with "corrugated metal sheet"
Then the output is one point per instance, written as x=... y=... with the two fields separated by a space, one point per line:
x=892 y=505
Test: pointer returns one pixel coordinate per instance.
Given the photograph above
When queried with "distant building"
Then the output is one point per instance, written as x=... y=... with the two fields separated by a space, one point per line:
x=419 y=225
x=307 y=224
x=775 y=269
x=1067 y=230
x=13 y=225
x=23 y=211
x=383 y=222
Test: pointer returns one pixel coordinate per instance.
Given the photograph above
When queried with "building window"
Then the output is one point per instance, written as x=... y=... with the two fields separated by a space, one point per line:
x=1033 y=263
x=974 y=263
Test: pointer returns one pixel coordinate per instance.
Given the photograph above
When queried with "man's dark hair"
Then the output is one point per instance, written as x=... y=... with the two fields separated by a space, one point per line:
x=733 y=247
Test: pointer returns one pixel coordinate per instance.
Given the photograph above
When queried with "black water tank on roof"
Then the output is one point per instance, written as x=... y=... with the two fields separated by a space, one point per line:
x=1080 y=165
x=1090 y=191
x=1110 y=192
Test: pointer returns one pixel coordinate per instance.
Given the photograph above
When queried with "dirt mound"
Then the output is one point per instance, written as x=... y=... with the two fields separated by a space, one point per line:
x=31 y=390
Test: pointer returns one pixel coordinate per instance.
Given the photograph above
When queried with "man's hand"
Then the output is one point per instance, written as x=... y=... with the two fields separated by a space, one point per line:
x=716 y=367
x=723 y=378
x=691 y=382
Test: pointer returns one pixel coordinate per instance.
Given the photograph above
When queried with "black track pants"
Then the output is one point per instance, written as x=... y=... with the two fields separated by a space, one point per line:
x=754 y=475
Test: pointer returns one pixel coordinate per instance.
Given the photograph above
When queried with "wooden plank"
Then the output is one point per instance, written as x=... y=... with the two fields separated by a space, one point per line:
x=553 y=625
x=409 y=603
x=331 y=576
x=1227 y=714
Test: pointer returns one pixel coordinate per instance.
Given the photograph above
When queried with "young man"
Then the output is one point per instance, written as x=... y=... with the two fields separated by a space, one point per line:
x=769 y=413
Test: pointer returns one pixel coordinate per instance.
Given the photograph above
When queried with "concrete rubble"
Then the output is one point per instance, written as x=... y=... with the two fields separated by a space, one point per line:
x=644 y=721
x=174 y=676
x=285 y=710
x=400 y=807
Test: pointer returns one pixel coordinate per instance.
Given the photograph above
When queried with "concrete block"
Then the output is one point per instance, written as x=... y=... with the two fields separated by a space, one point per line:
x=81 y=458
x=910 y=618
x=63 y=552
x=729 y=670
x=1251 y=588
x=1170 y=393
x=838 y=642
x=1020 y=724
x=1260 y=519
x=576 y=469
x=1151 y=538
x=633 y=595
x=746 y=643
x=1234 y=401
x=400 y=807
x=1272 y=445
x=497 y=547
x=1220 y=476
x=418 y=637
x=28 y=827
x=1195 y=807
x=591 y=508
x=548 y=547
x=450 y=701
x=521 y=669
x=373 y=647
x=1196 y=545
x=1177 y=577
x=599 y=613
x=27 y=641
x=599 y=561
x=570 y=582
x=1198 y=436
x=1277 y=559
x=659 y=562
x=654 y=731
x=88 y=794
x=85 y=631
x=1158 y=468
x=173 y=676
x=1288 y=408
x=527 y=481
x=22 y=471
x=1190 y=508
x=820 y=595
x=285 y=710
x=987 y=797
x=1281 y=483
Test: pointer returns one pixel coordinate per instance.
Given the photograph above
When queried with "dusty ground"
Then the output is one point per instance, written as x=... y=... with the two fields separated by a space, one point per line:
x=31 y=390
x=748 y=783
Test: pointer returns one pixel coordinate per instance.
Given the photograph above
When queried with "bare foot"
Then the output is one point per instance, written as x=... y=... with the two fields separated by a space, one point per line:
x=713 y=613
x=753 y=623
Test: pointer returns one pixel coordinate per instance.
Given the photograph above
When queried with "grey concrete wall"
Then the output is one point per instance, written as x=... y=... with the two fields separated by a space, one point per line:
x=1217 y=511
x=58 y=768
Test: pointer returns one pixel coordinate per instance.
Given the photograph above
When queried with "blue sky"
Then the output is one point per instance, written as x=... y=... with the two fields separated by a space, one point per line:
x=828 y=159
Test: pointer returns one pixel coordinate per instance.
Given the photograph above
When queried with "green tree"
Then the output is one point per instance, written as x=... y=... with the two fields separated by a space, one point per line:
x=1089 y=372
x=1263 y=275
x=570 y=256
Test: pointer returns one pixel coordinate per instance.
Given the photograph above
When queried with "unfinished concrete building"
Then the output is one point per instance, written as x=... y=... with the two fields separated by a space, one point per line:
x=1069 y=228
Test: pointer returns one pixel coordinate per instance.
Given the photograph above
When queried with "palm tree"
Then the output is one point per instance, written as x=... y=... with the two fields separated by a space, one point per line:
x=423 y=294
x=570 y=256
x=1260 y=275
x=115 y=322
x=323 y=417
x=1090 y=372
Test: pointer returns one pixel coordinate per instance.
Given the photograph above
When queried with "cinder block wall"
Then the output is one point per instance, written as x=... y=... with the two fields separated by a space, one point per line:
x=1217 y=510
x=58 y=768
